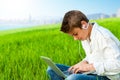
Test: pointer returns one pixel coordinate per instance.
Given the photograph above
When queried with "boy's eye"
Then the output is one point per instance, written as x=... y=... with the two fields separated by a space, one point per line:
x=75 y=34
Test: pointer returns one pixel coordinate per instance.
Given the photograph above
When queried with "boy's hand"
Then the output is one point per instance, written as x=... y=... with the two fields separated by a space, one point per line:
x=81 y=67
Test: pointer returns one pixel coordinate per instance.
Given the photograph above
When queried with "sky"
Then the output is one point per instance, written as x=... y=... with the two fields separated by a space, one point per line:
x=22 y=9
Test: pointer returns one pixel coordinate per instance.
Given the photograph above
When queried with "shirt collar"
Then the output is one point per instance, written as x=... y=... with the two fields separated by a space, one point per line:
x=93 y=31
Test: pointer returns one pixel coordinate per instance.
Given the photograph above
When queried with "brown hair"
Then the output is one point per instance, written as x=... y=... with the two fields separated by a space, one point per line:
x=72 y=19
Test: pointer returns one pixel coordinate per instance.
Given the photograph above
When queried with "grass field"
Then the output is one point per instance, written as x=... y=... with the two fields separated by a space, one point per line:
x=20 y=50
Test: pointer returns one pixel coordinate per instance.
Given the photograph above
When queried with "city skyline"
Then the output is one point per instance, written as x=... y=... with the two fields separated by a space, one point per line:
x=40 y=9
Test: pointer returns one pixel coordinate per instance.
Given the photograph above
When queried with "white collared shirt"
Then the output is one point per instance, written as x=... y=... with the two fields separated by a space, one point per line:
x=103 y=51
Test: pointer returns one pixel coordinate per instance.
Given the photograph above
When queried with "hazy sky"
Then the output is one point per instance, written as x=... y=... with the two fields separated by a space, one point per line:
x=21 y=9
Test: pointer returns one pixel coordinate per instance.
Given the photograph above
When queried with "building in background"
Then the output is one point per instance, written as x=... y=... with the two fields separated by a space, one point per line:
x=118 y=13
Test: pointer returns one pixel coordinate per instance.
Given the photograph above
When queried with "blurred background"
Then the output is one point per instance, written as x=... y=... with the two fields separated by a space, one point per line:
x=27 y=13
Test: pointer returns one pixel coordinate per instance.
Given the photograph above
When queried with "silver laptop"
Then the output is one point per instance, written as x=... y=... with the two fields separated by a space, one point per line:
x=56 y=69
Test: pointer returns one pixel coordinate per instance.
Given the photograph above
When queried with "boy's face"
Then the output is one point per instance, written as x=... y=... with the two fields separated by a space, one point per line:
x=79 y=34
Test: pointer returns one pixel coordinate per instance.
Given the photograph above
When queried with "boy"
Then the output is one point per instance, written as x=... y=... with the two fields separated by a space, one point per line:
x=101 y=47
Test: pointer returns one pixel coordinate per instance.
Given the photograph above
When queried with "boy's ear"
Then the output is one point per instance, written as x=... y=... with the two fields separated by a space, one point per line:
x=84 y=26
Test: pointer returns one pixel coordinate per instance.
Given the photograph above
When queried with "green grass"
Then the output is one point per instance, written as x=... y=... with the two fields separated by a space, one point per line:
x=20 y=50
x=48 y=26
